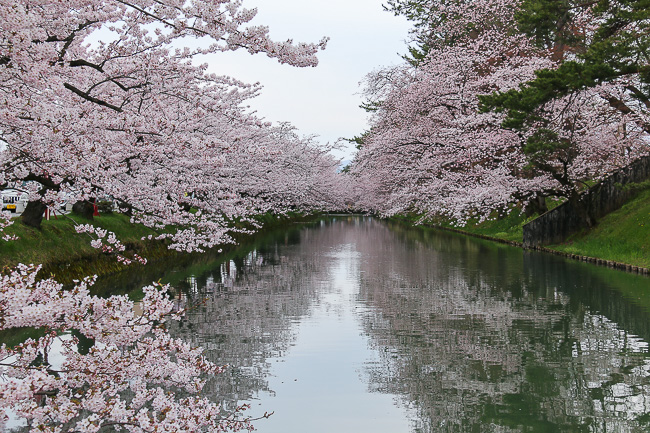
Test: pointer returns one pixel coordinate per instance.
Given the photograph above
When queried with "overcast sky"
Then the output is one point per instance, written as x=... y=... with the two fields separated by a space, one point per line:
x=324 y=100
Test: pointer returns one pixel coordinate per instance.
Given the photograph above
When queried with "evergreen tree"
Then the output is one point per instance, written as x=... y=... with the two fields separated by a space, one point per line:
x=601 y=43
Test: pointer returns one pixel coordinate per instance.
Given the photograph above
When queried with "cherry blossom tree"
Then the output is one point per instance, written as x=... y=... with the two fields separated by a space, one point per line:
x=129 y=373
x=105 y=100
x=430 y=149
x=6 y=221
x=598 y=42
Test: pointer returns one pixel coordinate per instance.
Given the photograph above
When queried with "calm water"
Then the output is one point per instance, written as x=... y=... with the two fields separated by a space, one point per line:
x=354 y=325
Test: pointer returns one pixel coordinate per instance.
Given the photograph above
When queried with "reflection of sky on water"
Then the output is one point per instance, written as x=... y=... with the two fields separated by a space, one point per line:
x=319 y=386
x=361 y=327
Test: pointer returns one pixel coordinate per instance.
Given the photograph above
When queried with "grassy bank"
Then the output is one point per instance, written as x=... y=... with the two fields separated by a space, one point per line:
x=68 y=255
x=622 y=236
x=508 y=228
x=57 y=240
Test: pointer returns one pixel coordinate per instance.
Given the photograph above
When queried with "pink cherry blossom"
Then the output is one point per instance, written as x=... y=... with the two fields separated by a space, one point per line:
x=132 y=354
x=429 y=150
x=106 y=100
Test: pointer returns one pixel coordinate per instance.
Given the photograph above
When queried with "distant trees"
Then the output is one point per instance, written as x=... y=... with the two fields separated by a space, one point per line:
x=449 y=134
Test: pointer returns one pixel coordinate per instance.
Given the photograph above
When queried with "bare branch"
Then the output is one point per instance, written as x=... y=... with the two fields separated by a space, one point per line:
x=87 y=97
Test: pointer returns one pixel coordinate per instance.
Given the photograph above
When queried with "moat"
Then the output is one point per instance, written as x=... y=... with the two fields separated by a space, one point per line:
x=351 y=324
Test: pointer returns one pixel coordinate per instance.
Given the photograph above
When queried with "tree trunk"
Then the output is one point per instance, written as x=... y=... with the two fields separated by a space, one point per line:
x=125 y=208
x=536 y=206
x=84 y=209
x=33 y=214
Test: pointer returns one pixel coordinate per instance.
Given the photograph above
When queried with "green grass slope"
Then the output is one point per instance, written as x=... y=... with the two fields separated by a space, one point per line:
x=57 y=240
x=68 y=254
x=622 y=236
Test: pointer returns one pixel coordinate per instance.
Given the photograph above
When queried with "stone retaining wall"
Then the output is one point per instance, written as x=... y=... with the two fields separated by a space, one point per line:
x=556 y=225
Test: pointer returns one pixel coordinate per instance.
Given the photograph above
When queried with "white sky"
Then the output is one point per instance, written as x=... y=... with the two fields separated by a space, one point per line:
x=325 y=100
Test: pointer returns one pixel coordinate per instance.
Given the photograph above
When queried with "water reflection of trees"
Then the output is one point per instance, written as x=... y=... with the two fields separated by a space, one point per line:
x=245 y=308
x=480 y=341
x=478 y=337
